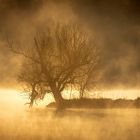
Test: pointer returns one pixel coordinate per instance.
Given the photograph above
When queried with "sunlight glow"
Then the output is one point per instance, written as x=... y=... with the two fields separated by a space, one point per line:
x=12 y=99
x=113 y=94
x=120 y=93
x=15 y=98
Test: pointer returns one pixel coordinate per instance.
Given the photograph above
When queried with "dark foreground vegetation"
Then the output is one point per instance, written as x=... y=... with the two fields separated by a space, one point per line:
x=99 y=103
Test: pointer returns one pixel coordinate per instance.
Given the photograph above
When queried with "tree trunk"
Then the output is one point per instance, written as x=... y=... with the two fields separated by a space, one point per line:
x=59 y=100
x=82 y=90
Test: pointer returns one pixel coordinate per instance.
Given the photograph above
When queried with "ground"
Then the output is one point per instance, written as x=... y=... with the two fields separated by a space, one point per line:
x=73 y=124
x=18 y=122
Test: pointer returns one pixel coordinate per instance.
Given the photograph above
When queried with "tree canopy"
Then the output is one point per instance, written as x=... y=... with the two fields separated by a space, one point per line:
x=58 y=58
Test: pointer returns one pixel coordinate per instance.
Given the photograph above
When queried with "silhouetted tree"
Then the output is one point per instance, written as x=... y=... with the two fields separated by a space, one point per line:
x=59 y=57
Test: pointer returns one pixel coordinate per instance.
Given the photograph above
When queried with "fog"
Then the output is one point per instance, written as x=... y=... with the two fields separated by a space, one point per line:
x=115 y=26
x=39 y=123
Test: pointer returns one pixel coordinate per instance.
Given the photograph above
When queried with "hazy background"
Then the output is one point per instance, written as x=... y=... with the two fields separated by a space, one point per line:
x=115 y=25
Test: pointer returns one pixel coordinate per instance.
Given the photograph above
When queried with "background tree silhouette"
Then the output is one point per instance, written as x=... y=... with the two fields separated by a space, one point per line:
x=60 y=57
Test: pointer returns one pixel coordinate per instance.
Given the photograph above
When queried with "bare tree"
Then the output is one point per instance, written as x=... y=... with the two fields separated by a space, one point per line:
x=89 y=77
x=31 y=77
x=58 y=58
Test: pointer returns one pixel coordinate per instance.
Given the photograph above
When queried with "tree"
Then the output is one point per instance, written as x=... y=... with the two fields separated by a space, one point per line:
x=58 y=58
x=87 y=79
